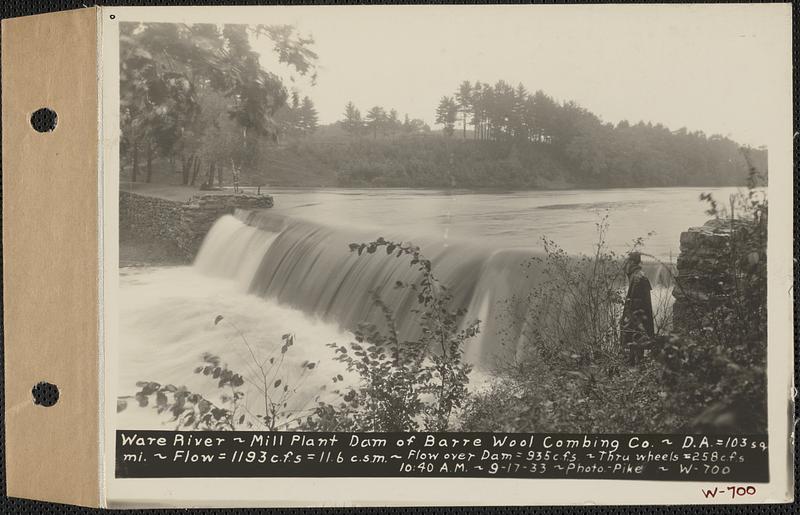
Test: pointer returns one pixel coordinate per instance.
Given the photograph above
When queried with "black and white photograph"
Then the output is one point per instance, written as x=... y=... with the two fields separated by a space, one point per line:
x=473 y=219
x=399 y=255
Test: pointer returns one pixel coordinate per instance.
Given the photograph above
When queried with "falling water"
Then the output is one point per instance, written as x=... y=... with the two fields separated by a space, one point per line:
x=309 y=267
x=290 y=270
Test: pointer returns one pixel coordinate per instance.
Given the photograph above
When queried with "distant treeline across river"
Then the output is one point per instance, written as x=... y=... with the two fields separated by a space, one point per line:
x=651 y=157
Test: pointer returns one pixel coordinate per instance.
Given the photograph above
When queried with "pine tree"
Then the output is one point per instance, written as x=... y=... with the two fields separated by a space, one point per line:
x=308 y=118
x=376 y=120
x=464 y=99
x=393 y=122
x=352 y=122
x=446 y=114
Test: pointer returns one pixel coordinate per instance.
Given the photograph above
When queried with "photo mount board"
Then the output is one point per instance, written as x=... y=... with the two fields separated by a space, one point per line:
x=52 y=230
x=51 y=258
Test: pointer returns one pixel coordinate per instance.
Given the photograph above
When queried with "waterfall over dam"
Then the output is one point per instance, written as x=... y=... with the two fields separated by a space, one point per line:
x=308 y=266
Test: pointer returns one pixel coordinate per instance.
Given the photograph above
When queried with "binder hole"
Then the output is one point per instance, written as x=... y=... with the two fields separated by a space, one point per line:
x=45 y=394
x=44 y=120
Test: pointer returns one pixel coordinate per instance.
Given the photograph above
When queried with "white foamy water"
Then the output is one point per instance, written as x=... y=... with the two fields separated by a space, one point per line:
x=167 y=323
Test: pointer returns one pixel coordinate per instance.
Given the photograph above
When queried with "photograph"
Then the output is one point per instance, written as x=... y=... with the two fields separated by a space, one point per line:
x=473 y=219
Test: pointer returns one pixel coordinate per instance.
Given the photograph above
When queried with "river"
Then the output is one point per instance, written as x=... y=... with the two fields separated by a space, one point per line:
x=511 y=219
x=289 y=270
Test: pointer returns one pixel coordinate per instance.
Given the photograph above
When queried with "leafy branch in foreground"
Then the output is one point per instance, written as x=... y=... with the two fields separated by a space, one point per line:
x=404 y=385
x=228 y=409
x=191 y=410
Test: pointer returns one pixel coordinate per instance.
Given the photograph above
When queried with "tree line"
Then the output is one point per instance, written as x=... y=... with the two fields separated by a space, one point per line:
x=198 y=96
x=598 y=153
x=379 y=121
x=501 y=112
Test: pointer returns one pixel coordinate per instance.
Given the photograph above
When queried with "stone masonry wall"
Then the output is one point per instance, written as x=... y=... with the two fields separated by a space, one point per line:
x=148 y=218
x=183 y=224
x=704 y=276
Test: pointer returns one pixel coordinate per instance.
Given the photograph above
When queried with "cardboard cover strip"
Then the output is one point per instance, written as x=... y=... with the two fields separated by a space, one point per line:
x=50 y=256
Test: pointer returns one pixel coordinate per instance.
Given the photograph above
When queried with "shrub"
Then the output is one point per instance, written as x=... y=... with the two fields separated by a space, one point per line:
x=574 y=310
x=548 y=396
x=403 y=385
x=569 y=373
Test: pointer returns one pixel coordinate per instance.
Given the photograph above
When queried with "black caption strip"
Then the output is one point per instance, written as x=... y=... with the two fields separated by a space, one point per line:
x=154 y=454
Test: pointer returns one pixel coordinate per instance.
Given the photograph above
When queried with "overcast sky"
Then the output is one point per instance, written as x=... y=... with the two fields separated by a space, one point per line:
x=703 y=67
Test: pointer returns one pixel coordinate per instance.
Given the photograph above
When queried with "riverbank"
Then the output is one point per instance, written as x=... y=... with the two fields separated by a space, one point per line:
x=178 y=192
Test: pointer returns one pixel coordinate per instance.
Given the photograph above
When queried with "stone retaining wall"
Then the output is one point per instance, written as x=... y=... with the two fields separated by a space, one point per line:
x=148 y=218
x=704 y=277
x=181 y=224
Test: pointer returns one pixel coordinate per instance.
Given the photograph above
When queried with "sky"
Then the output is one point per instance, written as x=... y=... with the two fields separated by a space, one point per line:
x=720 y=68
x=704 y=67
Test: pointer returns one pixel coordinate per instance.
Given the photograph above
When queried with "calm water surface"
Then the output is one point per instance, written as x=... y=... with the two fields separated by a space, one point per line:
x=511 y=219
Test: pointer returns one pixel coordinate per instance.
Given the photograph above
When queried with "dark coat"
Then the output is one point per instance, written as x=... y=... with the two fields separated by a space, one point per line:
x=637 y=316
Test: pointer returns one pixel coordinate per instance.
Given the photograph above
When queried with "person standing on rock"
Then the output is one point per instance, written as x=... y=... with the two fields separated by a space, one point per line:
x=637 y=326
